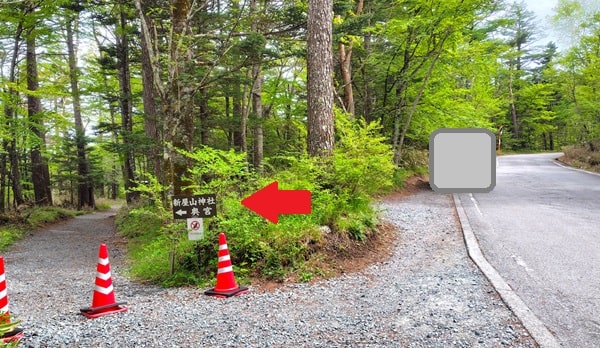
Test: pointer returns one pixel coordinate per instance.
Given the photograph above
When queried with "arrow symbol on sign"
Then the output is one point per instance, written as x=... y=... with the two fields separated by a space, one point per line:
x=181 y=212
x=269 y=202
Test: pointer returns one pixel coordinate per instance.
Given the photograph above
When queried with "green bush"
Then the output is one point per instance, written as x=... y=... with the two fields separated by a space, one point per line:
x=142 y=220
x=362 y=159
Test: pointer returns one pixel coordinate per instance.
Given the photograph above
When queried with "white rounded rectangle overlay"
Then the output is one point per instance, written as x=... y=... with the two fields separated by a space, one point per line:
x=462 y=160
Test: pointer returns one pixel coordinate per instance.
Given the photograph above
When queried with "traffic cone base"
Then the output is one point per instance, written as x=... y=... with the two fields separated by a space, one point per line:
x=16 y=334
x=13 y=336
x=95 y=312
x=103 y=300
x=226 y=285
x=224 y=294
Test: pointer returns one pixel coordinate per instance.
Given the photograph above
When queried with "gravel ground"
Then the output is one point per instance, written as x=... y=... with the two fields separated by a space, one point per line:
x=428 y=294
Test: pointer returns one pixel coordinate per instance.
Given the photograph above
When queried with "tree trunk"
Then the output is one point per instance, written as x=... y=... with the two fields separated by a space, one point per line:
x=544 y=141
x=178 y=106
x=345 y=57
x=3 y=179
x=15 y=173
x=204 y=114
x=257 y=83
x=125 y=101
x=176 y=83
x=85 y=191
x=9 y=112
x=513 y=109
x=400 y=108
x=244 y=122
x=319 y=78
x=367 y=98
x=151 y=120
x=257 y=112
x=40 y=175
x=239 y=132
x=402 y=83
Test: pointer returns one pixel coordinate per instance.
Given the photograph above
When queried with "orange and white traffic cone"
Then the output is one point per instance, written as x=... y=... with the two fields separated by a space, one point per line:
x=226 y=285
x=103 y=301
x=15 y=334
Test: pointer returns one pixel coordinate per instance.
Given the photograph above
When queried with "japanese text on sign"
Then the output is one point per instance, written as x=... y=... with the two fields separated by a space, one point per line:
x=199 y=206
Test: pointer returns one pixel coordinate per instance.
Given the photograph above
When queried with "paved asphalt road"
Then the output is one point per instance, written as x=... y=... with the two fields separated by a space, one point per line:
x=540 y=229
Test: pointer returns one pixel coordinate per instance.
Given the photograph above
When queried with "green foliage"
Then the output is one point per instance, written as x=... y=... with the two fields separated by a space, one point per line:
x=152 y=192
x=103 y=204
x=341 y=187
x=137 y=221
x=253 y=45
x=362 y=163
x=220 y=172
x=15 y=226
x=151 y=259
x=537 y=118
x=43 y=215
x=9 y=235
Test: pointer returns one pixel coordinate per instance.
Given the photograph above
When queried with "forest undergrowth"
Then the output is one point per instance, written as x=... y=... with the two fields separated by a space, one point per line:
x=342 y=227
x=585 y=156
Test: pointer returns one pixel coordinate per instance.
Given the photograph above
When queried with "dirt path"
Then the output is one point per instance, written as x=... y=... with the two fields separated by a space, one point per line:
x=53 y=270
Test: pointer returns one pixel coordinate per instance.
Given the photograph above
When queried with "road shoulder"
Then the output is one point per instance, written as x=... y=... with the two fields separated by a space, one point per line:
x=530 y=321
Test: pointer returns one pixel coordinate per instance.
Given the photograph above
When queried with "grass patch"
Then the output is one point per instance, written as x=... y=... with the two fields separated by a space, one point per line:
x=138 y=221
x=9 y=235
x=44 y=215
x=16 y=225
x=104 y=204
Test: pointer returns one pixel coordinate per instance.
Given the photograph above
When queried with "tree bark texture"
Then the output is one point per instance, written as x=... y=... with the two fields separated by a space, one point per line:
x=345 y=57
x=204 y=113
x=239 y=132
x=3 y=174
x=85 y=189
x=175 y=96
x=151 y=120
x=9 y=112
x=125 y=101
x=513 y=109
x=179 y=123
x=320 y=94
x=40 y=174
x=257 y=78
x=257 y=112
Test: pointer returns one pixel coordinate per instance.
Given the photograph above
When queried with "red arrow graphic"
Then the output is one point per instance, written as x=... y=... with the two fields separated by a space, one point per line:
x=269 y=202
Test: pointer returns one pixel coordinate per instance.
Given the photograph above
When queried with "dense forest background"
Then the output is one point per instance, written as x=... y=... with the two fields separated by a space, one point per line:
x=100 y=96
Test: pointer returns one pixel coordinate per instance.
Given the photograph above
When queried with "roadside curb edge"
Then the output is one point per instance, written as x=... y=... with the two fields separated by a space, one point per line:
x=568 y=166
x=530 y=321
